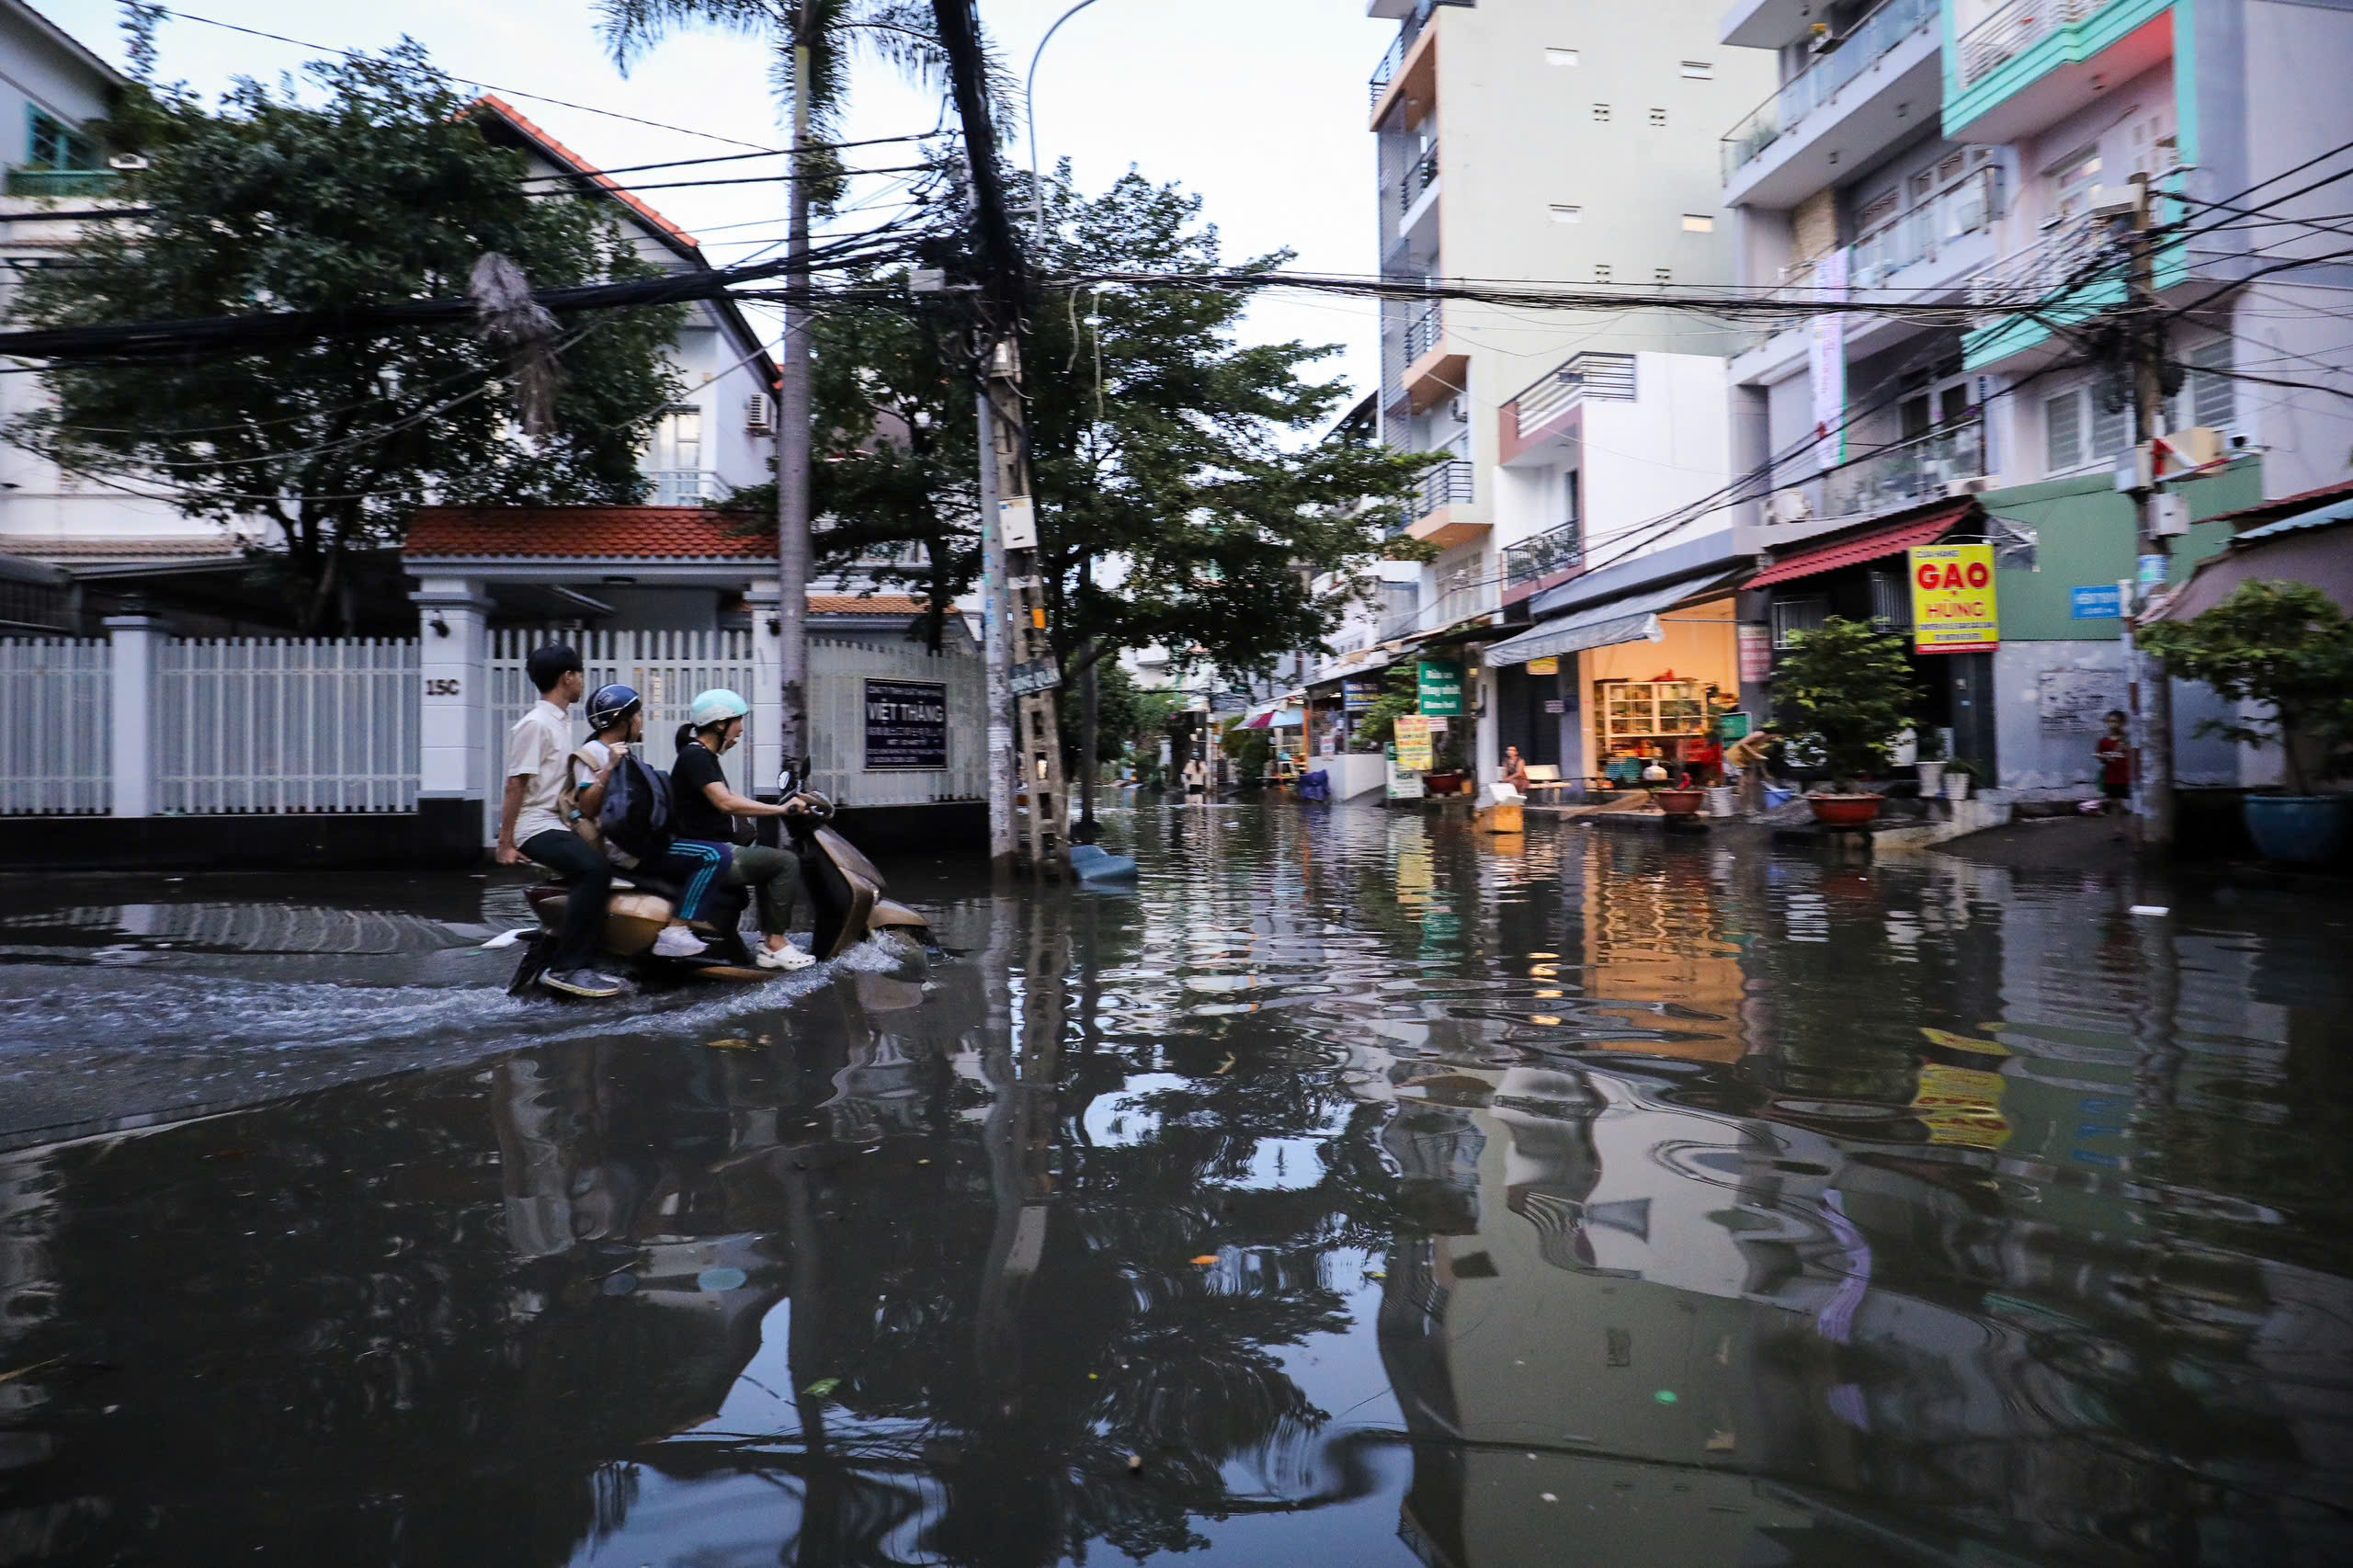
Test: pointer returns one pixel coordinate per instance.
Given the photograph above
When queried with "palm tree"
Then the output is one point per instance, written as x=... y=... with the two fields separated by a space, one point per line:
x=814 y=41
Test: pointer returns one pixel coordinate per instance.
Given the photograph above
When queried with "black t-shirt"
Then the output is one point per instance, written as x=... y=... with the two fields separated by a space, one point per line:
x=691 y=813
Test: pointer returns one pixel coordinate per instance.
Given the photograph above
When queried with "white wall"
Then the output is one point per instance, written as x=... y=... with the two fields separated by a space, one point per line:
x=2043 y=749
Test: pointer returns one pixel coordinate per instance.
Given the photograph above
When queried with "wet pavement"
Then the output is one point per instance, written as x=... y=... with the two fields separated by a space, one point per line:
x=1357 y=1190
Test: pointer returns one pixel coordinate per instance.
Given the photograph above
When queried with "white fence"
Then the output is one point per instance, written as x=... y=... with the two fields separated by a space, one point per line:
x=56 y=702
x=838 y=724
x=255 y=725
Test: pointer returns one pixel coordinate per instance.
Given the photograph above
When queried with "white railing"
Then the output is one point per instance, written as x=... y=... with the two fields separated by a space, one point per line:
x=2068 y=255
x=1819 y=82
x=1917 y=233
x=1464 y=592
x=687 y=486
x=56 y=695
x=269 y=724
x=838 y=672
x=2012 y=30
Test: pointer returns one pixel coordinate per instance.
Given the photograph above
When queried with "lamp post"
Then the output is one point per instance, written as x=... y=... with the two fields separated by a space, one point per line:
x=1029 y=109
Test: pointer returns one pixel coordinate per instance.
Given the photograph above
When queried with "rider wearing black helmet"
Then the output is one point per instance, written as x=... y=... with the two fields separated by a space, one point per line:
x=530 y=824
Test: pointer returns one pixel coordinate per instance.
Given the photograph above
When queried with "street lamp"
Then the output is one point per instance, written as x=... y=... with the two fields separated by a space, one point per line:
x=1029 y=106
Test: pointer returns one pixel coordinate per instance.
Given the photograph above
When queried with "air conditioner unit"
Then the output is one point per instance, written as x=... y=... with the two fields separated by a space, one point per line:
x=127 y=163
x=1788 y=507
x=1458 y=410
x=1975 y=484
x=759 y=416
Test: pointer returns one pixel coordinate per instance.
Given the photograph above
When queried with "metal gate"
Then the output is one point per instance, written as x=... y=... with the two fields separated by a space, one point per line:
x=285 y=725
x=56 y=699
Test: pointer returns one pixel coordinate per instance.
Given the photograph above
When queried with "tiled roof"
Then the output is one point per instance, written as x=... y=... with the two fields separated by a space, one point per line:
x=872 y=604
x=69 y=547
x=2286 y=507
x=1855 y=549
x=558 y=153
x=573 y=533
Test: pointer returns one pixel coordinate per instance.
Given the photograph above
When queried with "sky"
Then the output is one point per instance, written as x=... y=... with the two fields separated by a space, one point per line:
x=1258 y=105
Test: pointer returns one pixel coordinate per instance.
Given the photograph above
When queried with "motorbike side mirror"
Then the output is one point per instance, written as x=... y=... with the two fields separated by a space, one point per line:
x=787 y=783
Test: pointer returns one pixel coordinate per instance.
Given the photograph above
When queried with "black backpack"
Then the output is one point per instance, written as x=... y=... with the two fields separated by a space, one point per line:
x=636 y=814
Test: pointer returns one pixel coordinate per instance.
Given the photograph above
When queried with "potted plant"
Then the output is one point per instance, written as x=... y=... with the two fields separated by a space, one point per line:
x=1679 y=802
x=1959 y=773
x=1931 y=762
x=2287 y=647
x=1846 y=689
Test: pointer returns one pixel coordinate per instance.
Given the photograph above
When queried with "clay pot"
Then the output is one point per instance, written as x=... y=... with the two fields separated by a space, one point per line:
x=1845 y=810
x=1683 y=802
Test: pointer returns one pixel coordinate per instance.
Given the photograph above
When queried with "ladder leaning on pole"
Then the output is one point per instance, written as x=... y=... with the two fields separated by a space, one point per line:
x=1037 y=678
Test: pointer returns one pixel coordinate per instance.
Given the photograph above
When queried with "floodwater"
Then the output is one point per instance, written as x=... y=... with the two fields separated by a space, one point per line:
x=1357 y=1190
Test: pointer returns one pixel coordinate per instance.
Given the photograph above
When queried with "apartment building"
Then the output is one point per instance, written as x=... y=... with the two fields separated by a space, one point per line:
x=1976 y=156
x=1568 y=141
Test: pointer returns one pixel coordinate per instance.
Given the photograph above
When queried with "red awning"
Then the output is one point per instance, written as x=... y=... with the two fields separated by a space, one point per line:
x=1855 y=549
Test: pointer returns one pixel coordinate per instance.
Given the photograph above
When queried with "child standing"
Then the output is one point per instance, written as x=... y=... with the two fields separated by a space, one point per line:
x=2113 y=751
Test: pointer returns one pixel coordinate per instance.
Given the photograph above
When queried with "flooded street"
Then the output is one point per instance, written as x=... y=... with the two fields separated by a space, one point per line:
x=1360 y=1191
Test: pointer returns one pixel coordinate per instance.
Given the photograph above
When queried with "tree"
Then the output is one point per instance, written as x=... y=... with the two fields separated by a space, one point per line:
x=1849 y=688
x=383 y=192
x=2282 y=644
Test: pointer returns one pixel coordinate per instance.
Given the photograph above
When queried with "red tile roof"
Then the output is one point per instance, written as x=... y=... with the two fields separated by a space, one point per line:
x=558 y=153
x=872 y=604
x=1855 y=549
x=571 y=533
x=2286 y=507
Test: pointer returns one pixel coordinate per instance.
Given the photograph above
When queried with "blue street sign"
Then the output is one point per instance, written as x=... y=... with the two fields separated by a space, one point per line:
x=2102 y=603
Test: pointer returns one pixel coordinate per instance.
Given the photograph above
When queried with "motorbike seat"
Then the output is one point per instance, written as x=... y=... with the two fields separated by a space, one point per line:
x=646 y=883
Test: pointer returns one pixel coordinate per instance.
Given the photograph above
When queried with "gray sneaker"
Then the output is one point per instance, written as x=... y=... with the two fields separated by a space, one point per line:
x=582 y=982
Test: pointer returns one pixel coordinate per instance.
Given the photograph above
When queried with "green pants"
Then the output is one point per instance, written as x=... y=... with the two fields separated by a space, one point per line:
x=774 y=877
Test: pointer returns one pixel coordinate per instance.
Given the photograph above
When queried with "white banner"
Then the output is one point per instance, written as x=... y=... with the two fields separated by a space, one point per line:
x=1828 y=361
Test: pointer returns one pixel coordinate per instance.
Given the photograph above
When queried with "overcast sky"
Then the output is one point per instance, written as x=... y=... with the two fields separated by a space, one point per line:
x=1257 y=105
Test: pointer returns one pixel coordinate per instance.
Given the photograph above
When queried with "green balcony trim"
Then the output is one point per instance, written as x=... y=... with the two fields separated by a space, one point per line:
x=61 y=182
x=2062 y=46
x=2017 y=334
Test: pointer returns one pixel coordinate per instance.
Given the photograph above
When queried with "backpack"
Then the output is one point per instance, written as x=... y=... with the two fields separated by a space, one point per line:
x=637 y=808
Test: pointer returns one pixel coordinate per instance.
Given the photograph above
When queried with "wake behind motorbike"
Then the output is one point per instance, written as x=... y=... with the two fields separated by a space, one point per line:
x=843 y=886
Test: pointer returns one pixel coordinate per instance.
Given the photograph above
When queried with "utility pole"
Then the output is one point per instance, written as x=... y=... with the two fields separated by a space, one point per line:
x=1003 y=297
x=1003 y=775
x=2153 y=800
x=792 y=422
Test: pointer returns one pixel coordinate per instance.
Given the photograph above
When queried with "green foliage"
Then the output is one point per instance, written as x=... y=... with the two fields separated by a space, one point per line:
x=377 y=191
x=2283 y=644
x=1846 y=689
x=1401 y=695
x=1251 y=751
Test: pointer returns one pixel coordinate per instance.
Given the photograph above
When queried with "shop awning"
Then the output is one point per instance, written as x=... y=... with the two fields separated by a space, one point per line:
x=1853 y=549
x=1634 y=618
x=1278 y=715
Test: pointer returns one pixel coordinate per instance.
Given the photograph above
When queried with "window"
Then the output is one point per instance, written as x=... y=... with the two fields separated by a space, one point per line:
x=1562 y=214
x=1890 y=596
x=1793 y=615
x=1601 y=272
x=1698 y=71
x=1560 y=57
x=1658 y=117
x=2074 y=185
x=2205 y=398
x=57 y=145
x=678 y=440
x=1699 y=224
x=2080 y=429
x=1602 y=113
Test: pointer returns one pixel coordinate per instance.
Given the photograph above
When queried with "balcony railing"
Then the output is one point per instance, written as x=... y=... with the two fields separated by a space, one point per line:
x=1395 y=61
x=1548 y=554
x=685 y=486
x=2012 y=30
x=1820 y=82
x=1418 y=178
x=1580 y=377
x=2069 y=254
x=1402 y=620
x=1463 y=593
x=1424 y=333
x=61 y=182
x=1448 y=485
x=1917 y=234
x=1923 y=469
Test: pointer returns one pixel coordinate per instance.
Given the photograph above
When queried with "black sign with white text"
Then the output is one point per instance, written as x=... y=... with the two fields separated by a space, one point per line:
x=906 y=725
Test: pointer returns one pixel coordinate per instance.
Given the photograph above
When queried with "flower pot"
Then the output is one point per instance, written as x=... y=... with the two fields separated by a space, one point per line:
x=1845 y=810
x=1932 y=777
x=2302 y=829
x=1956 y=786
x=1679 y=802
x=1448 y=783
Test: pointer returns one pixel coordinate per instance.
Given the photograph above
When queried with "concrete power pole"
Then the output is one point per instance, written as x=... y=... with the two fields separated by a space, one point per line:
x=792 y=432
x=1004 y=771
x=2152 y=771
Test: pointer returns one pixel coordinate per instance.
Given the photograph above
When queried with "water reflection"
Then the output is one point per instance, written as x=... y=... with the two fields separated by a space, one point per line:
x=1357 y=1191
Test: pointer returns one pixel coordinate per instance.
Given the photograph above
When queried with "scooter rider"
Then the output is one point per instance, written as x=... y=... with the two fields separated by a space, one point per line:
x=701 y=801
x=539 y=750
x=616 y=722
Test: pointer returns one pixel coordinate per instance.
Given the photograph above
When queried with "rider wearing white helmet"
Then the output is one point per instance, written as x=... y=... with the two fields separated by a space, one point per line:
x=702 y=806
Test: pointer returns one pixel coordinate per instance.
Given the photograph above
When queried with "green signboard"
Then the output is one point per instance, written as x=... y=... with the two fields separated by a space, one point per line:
x=1441 y=686
x=1732 y=726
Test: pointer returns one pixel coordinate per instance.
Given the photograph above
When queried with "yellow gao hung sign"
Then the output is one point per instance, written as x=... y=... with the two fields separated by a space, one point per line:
x=1952 y=599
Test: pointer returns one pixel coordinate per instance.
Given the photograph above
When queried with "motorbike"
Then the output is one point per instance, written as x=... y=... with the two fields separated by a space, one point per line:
x=844 y=890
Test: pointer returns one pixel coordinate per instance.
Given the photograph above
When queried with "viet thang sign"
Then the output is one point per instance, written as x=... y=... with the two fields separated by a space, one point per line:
x=906 y=725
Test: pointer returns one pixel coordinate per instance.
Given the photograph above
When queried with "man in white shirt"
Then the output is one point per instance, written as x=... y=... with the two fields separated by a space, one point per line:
x=531 y=827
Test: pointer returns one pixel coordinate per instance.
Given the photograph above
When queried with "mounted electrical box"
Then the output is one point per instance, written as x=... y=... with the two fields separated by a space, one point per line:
x=2169 y=515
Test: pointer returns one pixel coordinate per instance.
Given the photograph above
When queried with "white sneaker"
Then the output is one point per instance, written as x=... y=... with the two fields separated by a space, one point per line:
x=786 y=958
x=678 y=942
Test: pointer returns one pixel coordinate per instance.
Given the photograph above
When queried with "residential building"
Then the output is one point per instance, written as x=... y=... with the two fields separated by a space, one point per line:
x=1550 y=139
x=1980 y=157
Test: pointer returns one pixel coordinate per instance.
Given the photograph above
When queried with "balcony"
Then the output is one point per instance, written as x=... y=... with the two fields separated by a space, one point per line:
x=1541 y=411
x=1417 y=367
x=2031 y=62
x=1926 y=468
x=1464 y=593
x=1924 y=232
x=2073 y=270
x=62 y=182
x=1879 y=80
x=1419 y=179
x=1407 y=75
x=1544 y=561
x=1445 y=490
x=685 y=486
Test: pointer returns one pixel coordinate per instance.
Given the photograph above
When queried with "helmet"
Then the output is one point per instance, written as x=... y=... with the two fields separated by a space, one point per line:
x=549 y=663
x=608 y=705
x=716 y=707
